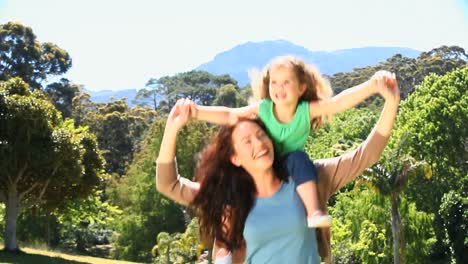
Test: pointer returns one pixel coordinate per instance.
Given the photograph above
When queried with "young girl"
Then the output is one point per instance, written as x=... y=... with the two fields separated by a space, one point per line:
x=294 y=98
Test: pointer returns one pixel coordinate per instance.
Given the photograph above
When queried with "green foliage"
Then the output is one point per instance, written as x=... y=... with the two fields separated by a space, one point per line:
x=434 y=119
x=418 y=231
x=454 y=213
x=47 y=152
x=86 y=223
x=77 y=226
x=362 y=231
x=355 y=214
x=179 y=248
x=345 y=131
x=25 y=57
x=117 y=127
x=229 y=96
x=147 y=212
x=371 y=244
x=390 y=175
x=199 y=86
x=61 y=94
x=44 y=161
x=409 y=72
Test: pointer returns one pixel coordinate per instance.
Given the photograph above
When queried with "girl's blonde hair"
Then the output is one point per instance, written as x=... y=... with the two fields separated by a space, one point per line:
x=317 y=87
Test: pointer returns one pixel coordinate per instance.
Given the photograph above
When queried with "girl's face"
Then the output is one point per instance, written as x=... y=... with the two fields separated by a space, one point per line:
x=253 y=148
x=284 y=88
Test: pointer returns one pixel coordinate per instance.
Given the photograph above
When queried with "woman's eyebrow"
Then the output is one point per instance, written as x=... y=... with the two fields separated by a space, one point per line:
x=245 y=137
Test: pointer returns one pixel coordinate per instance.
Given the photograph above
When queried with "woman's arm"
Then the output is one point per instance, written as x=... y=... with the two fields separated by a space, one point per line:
x=334 y=173
x=350 y=97
x=168 y=182
x=223 y=115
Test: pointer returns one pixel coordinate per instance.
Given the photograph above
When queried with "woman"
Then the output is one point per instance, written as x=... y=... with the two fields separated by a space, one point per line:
x=251 y=151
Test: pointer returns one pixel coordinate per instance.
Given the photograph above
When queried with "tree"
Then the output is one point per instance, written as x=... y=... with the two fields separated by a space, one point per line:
x=61 y=95
x=200 y=86
x=342 y=132
x=229 y=96
x=389 y=177
x=21 y=55
x=409 y=72
x=117 y=127
x=81 y=107
x=434 y=119
x=43 y=160
x=362 y=230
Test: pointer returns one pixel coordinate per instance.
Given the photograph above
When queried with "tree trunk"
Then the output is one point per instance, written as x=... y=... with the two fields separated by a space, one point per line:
x=396 y=229
x=11 y=217
x=403 y=246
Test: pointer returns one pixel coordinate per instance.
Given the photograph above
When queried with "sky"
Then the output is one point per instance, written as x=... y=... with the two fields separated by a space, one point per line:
x=121 y=44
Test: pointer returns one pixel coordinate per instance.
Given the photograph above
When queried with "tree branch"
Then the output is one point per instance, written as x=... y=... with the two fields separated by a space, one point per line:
x=10 y=181
x=21 y=195
x=43 y=189
x=21 y=173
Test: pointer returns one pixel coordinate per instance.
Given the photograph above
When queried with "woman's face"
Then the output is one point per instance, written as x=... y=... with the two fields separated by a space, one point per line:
x=253 y=149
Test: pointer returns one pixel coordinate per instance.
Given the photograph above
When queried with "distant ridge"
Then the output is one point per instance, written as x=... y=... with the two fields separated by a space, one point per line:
x=104 y=96
x=238 y=60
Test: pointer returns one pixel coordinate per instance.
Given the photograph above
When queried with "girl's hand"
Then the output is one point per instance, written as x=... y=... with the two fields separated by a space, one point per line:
x=383 y=79
x=246 y=112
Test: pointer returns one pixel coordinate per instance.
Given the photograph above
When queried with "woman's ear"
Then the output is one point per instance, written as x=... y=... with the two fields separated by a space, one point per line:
x=235 y=160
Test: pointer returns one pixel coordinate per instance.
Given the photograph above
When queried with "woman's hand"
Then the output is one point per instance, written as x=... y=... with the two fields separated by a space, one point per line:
x=390 y=92
x=179 y=115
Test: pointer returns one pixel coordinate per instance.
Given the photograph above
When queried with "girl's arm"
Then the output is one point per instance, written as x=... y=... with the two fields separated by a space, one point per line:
x=168 y=182
x=223 y=115
x=350 y=97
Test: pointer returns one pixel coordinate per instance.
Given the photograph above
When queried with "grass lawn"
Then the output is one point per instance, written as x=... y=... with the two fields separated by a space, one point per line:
x=36 y=256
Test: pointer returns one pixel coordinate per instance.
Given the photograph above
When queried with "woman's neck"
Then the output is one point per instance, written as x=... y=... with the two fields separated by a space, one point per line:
x=284 y=113
x=266 y=183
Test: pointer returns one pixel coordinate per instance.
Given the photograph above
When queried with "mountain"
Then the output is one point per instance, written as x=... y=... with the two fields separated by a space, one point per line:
x=104 y=96
x=239 y=60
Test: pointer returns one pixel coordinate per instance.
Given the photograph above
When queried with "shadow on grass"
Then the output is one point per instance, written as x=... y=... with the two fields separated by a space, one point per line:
x=20 y=257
